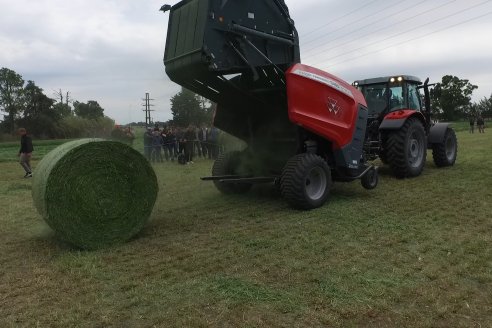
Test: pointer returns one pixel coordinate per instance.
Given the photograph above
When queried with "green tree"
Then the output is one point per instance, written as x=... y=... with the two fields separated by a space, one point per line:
x=63 y=105
x=36 y=102
x=188 y=108
x=63 y=109
x=89 y=110
x=484 y=106
x=11 y=93
x=39 y=115
x=452 y=97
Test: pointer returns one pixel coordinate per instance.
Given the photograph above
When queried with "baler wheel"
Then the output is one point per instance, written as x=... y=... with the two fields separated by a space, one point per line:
x=228 y=164
x=407 y=149
x=445 y=153
x=305 y=182
x=370 y=179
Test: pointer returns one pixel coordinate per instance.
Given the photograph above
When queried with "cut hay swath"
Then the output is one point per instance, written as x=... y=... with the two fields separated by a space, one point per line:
x=94 y=193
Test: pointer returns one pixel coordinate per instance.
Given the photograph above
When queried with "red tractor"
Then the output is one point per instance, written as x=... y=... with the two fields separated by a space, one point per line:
x=304 y=128
x=400 y=128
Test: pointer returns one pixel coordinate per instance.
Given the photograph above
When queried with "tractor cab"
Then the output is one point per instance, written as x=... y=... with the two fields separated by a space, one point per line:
x=387 y=94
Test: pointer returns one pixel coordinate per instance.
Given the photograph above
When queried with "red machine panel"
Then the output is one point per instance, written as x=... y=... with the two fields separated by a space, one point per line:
x=323 y=104
x=400 y=114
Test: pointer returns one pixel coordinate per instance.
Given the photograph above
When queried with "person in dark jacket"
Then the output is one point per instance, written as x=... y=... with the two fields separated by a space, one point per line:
x=189 y=137
x=213 y=142
x=25 y=152
x=147 y=139
x=157 y=142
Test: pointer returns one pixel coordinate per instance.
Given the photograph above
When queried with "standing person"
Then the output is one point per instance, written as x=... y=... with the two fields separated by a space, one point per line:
x=213 y=140
x=156 y=146
x=165 y=142
x=173 y=143
x=180 y=140
x=147 y=139
x=197 y=145
x=472 y=124
x=189 y=138
x=202 y=138
x=25 y=152
x=480 y=124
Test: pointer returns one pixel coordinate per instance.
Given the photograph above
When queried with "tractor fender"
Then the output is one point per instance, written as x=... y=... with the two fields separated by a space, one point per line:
x=395 y=120
x=437 y=132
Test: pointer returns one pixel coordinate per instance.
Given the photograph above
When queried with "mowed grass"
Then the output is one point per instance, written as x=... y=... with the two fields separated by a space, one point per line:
x=412 y=253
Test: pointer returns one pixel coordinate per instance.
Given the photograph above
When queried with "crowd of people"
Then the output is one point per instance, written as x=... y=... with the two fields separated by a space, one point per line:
x=480 y=124
x=181 y=144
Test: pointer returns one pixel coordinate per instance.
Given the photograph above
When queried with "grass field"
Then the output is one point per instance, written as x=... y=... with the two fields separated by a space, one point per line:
x=411 y=253
x=9 y=150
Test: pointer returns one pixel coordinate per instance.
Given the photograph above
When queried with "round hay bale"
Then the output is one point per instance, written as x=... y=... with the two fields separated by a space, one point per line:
x=94 y=193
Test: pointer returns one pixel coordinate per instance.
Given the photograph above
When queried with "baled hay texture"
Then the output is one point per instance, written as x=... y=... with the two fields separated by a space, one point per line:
x=94 y=193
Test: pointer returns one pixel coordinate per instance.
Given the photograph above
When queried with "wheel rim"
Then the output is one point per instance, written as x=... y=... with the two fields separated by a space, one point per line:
x=415 y=150
x=450 y=148
x=316 y=183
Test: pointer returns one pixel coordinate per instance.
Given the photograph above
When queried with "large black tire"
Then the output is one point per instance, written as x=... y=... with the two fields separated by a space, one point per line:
x=383 y=156
x=406 y=149
x=305 y=182
x=228 y=164
x=445 y=153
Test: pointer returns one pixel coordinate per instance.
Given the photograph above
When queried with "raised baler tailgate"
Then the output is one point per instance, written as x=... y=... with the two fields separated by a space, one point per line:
x=185 y=34
x=323 y=104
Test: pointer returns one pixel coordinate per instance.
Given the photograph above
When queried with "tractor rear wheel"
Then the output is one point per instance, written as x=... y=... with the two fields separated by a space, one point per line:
x=445 y=152
x=383 y=154
x=228 y=164
x=305 y=182
x=407 y=149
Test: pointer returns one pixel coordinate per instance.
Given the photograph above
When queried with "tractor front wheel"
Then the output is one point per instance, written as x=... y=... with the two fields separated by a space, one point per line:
x=445 y=152
x=228 y=164
x=407 y=149
x=305 y=182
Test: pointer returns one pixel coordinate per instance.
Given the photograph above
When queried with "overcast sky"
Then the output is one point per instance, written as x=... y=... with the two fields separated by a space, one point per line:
x=111 y=50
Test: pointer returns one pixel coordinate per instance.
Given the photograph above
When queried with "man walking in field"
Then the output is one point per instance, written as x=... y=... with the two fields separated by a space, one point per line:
x=25 y=152
x=480 y=124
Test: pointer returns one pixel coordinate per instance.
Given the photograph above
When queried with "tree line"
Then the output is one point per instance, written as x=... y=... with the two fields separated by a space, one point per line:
x=24 y=104
x=451 y=100
x=189 y=108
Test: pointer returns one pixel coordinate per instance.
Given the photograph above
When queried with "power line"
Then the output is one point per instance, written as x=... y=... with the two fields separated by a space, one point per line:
x=362 y=19
x=339 y=18
x=411 y=30
x=382 y=29
x=412 y=39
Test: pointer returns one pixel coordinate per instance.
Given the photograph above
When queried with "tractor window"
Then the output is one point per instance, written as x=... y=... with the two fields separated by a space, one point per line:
x=413 y=97
x=376 y=98
x=396 y=98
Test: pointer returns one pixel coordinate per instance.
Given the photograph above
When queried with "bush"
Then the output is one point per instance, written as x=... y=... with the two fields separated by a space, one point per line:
x=76 y=127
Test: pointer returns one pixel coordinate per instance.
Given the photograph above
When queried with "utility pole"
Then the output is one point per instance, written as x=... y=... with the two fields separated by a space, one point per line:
x=147 y=110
